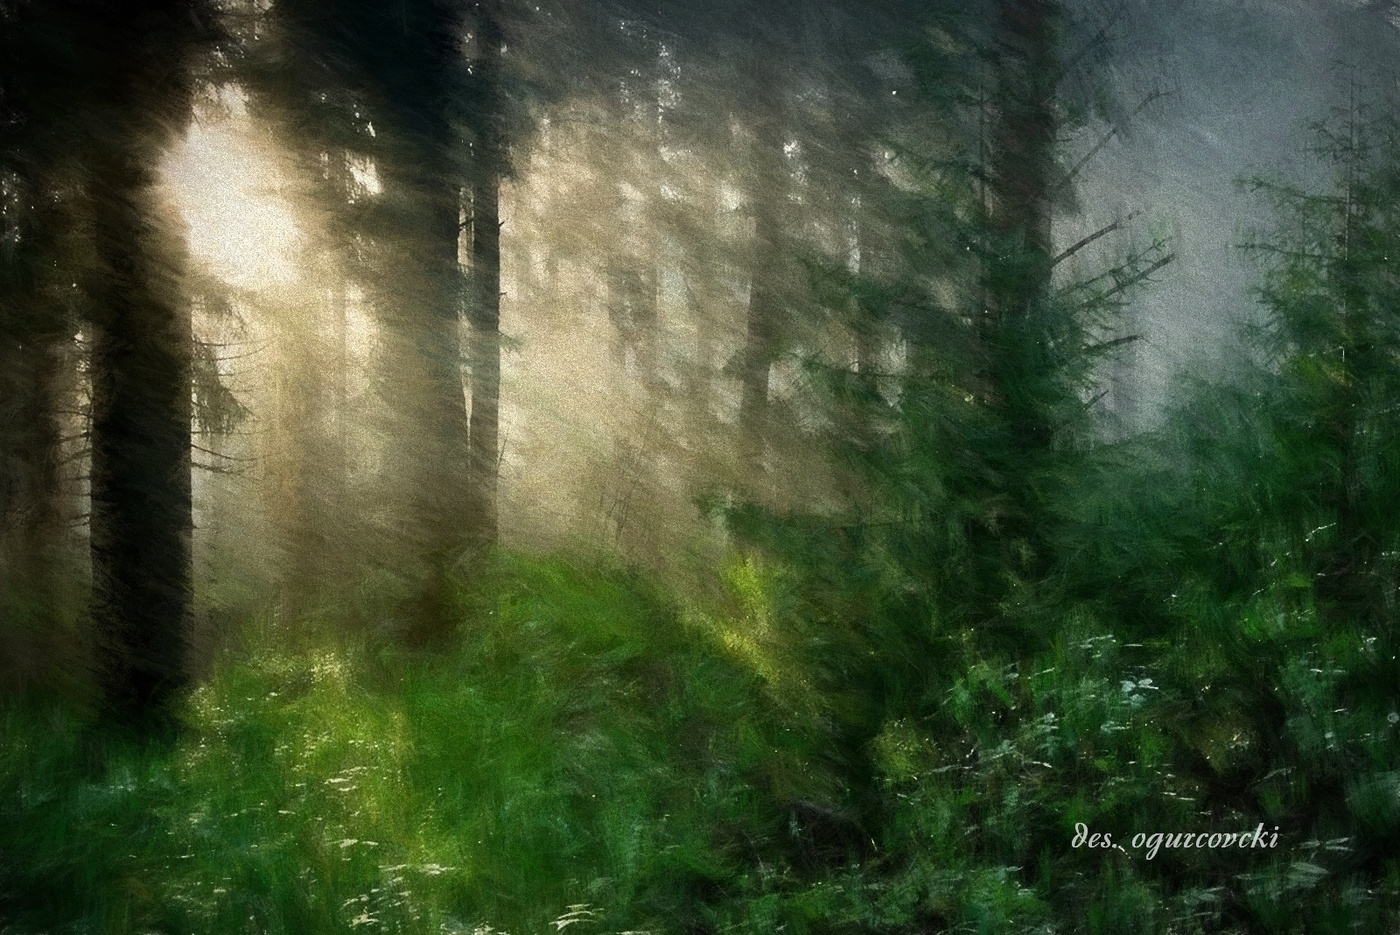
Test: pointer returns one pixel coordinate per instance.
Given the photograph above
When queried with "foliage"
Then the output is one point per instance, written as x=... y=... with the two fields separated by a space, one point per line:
x=1189 y=630
x=905 y=715
x=576 y=754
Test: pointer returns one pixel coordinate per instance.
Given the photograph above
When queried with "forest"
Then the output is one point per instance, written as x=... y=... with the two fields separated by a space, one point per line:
x=866 y=467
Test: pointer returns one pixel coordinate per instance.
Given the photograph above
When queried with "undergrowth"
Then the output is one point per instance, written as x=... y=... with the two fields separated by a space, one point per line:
x=589 y=753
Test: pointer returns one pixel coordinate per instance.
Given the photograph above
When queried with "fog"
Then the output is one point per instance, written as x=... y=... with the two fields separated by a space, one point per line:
x=849 y=466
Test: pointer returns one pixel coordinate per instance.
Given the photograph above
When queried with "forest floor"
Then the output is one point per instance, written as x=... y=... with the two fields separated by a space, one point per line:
x=589 y=753
x=584 y=753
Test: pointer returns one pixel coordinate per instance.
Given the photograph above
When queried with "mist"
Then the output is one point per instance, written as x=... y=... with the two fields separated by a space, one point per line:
x=831 y=467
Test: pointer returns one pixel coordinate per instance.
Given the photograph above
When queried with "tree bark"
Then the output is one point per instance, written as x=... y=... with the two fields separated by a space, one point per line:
x=32 y=343
x=32 y=527
x=1021 y=184
x=768 y=172
x=141 y=518
x=484 y=455
x=419 y=299
x=1023 y=158
x=141 y=506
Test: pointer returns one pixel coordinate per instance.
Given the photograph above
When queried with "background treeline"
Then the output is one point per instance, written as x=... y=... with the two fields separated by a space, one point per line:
x=486 y=466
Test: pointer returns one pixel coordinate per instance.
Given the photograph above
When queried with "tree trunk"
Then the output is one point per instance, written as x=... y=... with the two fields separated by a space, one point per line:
x=141 y=507
x=768 y=172
x=419 y=301
x=446 y=408
x=1347 y=570
x=141 y=520
x=32 y=528
x=758 y=334
x=484 y=456
x=31 y=358
x=402 y=62
x=1023 y=159
x=1021 y=183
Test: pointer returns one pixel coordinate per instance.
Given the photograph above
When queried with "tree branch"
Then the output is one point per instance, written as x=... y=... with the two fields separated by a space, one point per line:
x=1134 y=280
x=1104 y=140
x=210 y=451
x=1084 y=242
x=1105 y=345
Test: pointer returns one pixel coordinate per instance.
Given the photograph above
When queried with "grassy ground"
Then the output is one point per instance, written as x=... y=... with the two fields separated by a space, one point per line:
x=585 y=752
x=589 y=754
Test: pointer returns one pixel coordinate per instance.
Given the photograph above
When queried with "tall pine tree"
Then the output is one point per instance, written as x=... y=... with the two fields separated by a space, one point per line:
x=140 y=54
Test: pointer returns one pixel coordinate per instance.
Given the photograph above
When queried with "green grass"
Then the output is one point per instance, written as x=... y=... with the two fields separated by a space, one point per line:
x=588 y=753
x=580 y=752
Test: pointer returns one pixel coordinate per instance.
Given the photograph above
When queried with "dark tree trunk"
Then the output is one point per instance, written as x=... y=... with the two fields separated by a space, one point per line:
x=1021 y=186
x=407 y=55
x=41 y=100
x=1023 y=158
x=1018 y=378
x=32 y=343
x=1346 y=582
x=140 y=367
x=419 y=299
x=444 y=498
x=141 y=510
x=32 y=526
x=38 y=448
x=401 y=62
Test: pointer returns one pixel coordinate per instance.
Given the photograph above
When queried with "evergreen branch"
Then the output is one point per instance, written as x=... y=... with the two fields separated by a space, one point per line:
x=1098 y=40
x=217 y=454
x=1104 y=140
x=1084 y=242
x=1116 y=271
x=1105 y=345
x=1134 y=280
x=251 y=353
x=215 y=469
x=1276 y=189
x=1281 y=251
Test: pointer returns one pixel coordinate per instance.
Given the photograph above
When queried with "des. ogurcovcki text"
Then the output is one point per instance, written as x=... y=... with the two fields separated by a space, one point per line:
x=1258 y=838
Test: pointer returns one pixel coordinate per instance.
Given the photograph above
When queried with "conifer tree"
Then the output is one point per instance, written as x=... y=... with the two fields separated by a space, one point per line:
x=385 y=86
x=299 y=88
x=40 y=260
x=140 y=55
x=1330 y=339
